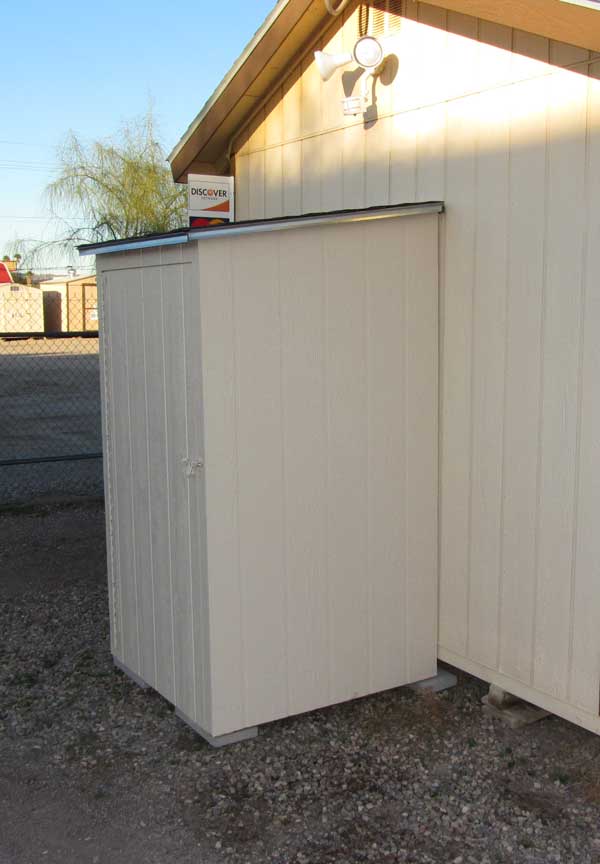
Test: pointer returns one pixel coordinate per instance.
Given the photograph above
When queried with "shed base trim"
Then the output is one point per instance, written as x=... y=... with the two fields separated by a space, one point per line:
x=523 y=691
x=127 y=671
x=219 y=740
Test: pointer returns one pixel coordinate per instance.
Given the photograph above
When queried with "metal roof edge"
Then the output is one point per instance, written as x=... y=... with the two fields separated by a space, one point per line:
x=233 y=229
x=130 y=243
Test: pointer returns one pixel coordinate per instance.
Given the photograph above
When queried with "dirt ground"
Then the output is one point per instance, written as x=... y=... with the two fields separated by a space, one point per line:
x=94 y=769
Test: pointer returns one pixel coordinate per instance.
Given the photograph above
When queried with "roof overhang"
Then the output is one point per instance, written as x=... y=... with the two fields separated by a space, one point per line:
x=203 y=148
x=294 y=24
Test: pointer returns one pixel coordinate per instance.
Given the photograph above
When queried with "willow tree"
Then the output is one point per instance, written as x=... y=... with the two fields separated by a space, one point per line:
x=118 y=188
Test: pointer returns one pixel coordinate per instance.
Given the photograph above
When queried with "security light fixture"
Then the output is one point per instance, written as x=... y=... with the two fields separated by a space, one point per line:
x=368 y=53
x=328 y=63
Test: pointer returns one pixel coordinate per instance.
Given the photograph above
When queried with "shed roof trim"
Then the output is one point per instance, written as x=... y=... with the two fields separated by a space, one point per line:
x=334 y=217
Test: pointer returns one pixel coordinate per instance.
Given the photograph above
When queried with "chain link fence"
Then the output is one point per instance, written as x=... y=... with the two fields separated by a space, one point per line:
x=50 y=428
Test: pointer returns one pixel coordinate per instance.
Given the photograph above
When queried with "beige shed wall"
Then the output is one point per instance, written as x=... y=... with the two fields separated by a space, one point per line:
x=296 y=565
x=504 y=126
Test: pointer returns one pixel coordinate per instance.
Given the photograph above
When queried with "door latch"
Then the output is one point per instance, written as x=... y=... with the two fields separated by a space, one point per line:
x=192 y=466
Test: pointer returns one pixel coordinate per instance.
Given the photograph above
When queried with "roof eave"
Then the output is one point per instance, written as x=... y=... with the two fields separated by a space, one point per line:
x=204 y=144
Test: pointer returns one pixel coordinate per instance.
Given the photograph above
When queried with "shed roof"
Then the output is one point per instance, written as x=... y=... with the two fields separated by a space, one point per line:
x=293 y=24
x=183 y=235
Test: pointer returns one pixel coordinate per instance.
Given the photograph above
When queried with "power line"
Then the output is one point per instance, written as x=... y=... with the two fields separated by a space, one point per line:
x=48 y=218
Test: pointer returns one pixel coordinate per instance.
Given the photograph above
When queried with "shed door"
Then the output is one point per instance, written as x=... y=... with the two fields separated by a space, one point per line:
x=320 y=381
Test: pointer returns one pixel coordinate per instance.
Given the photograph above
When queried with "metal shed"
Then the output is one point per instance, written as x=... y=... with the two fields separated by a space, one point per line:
x=270 y=407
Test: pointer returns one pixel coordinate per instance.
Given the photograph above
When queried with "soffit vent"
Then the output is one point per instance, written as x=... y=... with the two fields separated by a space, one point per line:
x=380 y=17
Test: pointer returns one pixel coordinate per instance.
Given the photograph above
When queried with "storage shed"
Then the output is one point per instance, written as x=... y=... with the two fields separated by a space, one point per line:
x=21 y=309
x=271 y=444
x=494 y=110
x=70 y=304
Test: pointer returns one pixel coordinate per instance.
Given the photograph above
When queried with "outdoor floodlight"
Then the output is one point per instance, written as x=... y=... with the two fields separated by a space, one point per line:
x=328 y=63
x=368 y=53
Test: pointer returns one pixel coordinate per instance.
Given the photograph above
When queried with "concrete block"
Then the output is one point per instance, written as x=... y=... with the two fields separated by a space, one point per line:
x=511 y=711
x=444 y=680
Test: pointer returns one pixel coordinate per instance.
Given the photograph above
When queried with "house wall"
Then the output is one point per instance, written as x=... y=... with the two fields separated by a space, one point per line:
x=504 y=126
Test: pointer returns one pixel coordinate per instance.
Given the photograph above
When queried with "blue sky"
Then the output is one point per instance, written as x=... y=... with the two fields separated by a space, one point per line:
x=89 y=67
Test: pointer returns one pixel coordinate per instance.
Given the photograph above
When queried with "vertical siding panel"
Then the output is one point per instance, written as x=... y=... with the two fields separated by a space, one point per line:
x=273 y=182
x=274 y=119
x=292 y=105
x=274 y=156
x=256 y=168
x=421 y=325
x=462 y=64
x=386 y=251
x=256 y=185
x=433 y=40
x=242 y=188
x=529 y=52
x=196 y=504
x=331 y=91
x=431 y=143
x=489 y=337
x=305 y=461
x=377 y=180
x=456 y=384
x=353 y=149
x=159 y=507
x=585 y=656
x=311 y=84
x=495 y=55
x=403 y=158
x=522 y=399
x=347 y=435
x=311 y=175
x=332 y=142
x=219 y=384
x=331 y=171
x=174 y=279
x=292 y=150
x=120 y=283
x=261 y=515
x=109 y=462
x=292 y=171
x=408 y=48
x=135 y=314
x=566 y=163
x=311 y=143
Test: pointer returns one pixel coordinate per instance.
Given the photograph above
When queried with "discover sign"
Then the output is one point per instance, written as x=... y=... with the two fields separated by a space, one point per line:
x=210 y=200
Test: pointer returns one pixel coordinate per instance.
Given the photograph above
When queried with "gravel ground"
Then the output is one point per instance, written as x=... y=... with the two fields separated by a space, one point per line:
x=94 y=769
